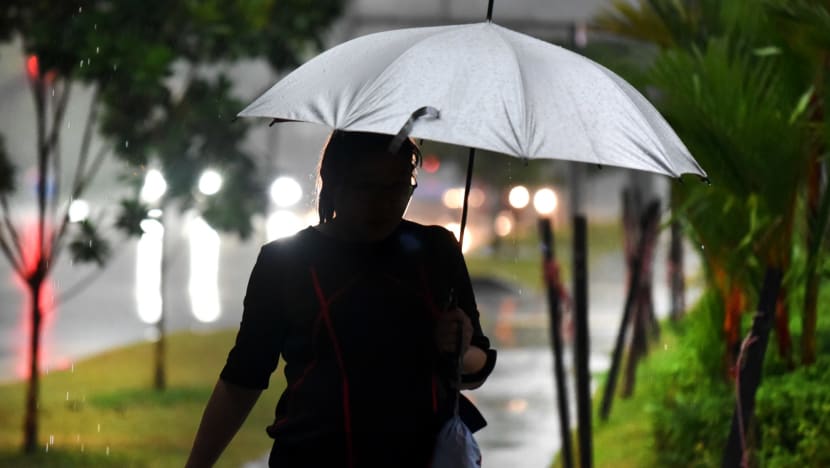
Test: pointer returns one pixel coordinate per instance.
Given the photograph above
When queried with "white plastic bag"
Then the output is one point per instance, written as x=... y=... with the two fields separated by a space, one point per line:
x=455 y=446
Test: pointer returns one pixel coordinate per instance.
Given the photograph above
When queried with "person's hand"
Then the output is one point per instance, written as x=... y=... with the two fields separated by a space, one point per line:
x=446 y=331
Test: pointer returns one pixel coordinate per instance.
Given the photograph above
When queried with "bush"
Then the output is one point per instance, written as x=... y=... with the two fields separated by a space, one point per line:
x=793 y=417
x=692 y=400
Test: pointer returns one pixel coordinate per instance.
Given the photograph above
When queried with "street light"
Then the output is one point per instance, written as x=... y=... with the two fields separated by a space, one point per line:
x=545 y=201
x=503 y=224
x=210 y=182
x=154 y=187
x=518 y=197
x=203 y=285
x=285 y=192
x=150 y=253
x=453 y=198
x=148 y=271
x=78 y=210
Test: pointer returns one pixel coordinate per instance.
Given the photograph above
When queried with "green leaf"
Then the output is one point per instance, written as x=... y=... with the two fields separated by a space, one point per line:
x=802 y=104
x=88 y=246
x=132 y=213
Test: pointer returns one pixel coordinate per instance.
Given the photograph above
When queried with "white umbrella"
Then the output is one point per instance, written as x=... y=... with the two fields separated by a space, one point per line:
x=486 y=87
x=495 y=89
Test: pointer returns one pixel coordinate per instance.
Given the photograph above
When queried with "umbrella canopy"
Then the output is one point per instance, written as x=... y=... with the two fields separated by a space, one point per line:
x=495 y=89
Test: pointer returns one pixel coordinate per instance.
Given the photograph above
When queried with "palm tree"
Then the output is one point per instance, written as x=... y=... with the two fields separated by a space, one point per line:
x=734 y=99
x=807 y=30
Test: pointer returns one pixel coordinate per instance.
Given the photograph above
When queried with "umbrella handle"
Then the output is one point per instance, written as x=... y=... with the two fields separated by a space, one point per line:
x=404 y=132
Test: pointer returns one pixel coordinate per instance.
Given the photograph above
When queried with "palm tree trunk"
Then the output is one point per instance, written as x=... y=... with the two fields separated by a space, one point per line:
x=782 y=327
x=815 y=224
x=677 y=285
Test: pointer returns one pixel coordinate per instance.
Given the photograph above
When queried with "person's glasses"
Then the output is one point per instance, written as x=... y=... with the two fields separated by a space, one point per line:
x=393 y=189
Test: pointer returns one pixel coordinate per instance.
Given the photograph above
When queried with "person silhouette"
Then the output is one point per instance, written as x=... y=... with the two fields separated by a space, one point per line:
x=359 y=307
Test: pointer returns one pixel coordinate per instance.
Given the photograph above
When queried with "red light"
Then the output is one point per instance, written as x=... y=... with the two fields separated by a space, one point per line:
x=32 y=67
x=431 y=163
x=31 y=255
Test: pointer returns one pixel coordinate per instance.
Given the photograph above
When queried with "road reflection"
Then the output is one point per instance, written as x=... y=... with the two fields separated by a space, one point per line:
x=148 y=271
x=203 y=285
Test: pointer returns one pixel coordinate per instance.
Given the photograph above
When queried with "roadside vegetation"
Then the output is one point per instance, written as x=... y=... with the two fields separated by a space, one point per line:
x=104 y=412
x=744 y=84
x=680 y=412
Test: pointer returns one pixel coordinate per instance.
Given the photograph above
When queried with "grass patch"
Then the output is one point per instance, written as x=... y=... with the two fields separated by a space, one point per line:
x=104 y=412
x=626 y=439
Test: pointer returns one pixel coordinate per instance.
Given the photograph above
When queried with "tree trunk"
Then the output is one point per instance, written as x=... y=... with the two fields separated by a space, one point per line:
x=30 y=417
x=809 y=317
x=677 y=284
x=782 y=327
x=160 y=375
x=817 y=206
x=750 y=369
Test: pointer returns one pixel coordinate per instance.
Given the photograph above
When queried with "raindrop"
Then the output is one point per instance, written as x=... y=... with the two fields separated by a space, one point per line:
x=53 y=92
x=80 y=9
x=702 y=247
x=82 y=447
x=108 y=450
x=126 y=143
x=82 y=63
x=68 y=124
x=97 y=49
x=51 y=439
x=77 y=437
x=99 y=427
x=72 y=368
x=95 y=26
x=88 y=61
x=90 y=243
x=67 y=396
x=47 y=448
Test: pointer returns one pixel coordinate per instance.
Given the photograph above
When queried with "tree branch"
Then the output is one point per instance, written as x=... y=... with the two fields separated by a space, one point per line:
x=83 y=283
x=78 y=182
x=93 y=169
x=15 y=239
x=92 y=117
x=38 y=94
x=59 y=113
x=78 y=191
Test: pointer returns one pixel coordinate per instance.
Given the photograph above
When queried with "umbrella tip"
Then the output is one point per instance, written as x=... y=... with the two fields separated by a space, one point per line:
x=706 y=180
x=599 y=166
x=234 y=119
x=272 y=123
x=490 y=10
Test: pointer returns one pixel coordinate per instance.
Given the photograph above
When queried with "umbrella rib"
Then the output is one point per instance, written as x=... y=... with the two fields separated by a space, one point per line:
x=367 y=89
x=666 y=161
x=522 y=95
